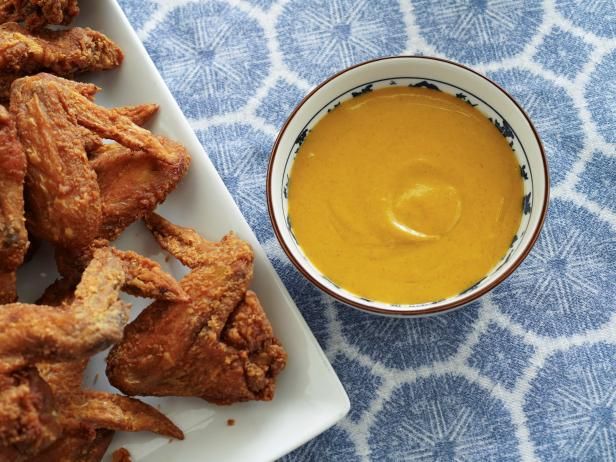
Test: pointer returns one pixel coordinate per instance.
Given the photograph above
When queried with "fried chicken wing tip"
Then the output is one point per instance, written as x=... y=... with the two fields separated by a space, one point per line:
x=39 y=13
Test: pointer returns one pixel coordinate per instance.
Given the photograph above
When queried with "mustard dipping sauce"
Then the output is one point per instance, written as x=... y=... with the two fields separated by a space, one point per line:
x=405 y=195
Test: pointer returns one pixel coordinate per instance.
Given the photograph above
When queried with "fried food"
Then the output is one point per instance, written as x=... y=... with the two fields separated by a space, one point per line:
x=115 y=412
x=99 y=410
x=95 y=411
x=8 y=287
x=64 y=53
x=63 y=195
x=121 y=455
x=43 y=409
x=13 y=235
x=219 y=346
x=38 y=13
x=27 y=412
x=94 y=321
x=144 y=277
x=53 y=120
x=132 y=183
x=86 y=447
x=138 y=114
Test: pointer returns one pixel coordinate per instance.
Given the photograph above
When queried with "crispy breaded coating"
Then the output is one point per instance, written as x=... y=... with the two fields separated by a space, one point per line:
x=44 y=412
x=38 y=13
x=64 y=53
x=121 y=455
x=94 y=320
x=133 y=183
x=96 y=410
x=87 y=446
x=116 y=412
x=54 y=120
x=144 y=277
x=93 y=410
x=219 y=346
x=27 y=413
x=139 y=114
x=62 y=191
x=13 y=234
x=8 y=287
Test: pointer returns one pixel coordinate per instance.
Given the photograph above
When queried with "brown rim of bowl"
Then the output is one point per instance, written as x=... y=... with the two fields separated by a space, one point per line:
x=420 y=311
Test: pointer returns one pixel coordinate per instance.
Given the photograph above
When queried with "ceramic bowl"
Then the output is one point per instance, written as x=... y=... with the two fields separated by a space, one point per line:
x=439 y=75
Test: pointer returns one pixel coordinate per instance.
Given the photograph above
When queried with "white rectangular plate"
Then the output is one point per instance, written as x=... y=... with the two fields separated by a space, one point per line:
x=309 y=397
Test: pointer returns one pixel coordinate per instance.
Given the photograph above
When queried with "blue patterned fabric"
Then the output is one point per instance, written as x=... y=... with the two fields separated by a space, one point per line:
x=529 y=371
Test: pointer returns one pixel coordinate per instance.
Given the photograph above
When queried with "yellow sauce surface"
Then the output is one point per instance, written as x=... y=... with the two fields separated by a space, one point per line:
x=405 y=195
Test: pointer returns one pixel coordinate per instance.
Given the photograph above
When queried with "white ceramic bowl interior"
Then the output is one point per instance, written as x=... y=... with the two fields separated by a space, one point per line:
x=438 y=75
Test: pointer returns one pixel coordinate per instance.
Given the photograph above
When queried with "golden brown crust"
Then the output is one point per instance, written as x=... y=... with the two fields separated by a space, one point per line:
x=116 y=412
x=63 y=53
x=94 y=320
x=143 y=277
x=60 y=292
x=133 y=183
x=62 y=192
x=139 y=114
x=57 y=124
x=121 y=455
x=38 y=13
x=96 y=409
x=219 y=346
x=8 y=287
x=13 y=235
x=85 y=446
x=44 y=413
x=27 y=413
x=187 y=245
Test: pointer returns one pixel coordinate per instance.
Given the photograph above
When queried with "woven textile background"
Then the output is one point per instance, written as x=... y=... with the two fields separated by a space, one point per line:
x=527 y=373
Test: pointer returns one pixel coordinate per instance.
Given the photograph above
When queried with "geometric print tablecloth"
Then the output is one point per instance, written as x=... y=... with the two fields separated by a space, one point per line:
x=529 y=371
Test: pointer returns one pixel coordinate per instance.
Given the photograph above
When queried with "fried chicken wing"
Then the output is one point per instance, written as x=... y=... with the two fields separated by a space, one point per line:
x=13 y=235
x=219 y=346
x=97 y=409
x=133 y=183
x=8 y=287
x=64 y=53
x=93 y=410
x=88 y=90
x=38 y=13
x=44 y=412
x=144 y=277
x=138 y=114
x=86 y=447
x=27 y=413
x=94 y=321
x=62 y=190
x=115 y=412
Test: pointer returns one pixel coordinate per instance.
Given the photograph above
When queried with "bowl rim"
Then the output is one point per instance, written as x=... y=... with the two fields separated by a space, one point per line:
x=419 y=311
